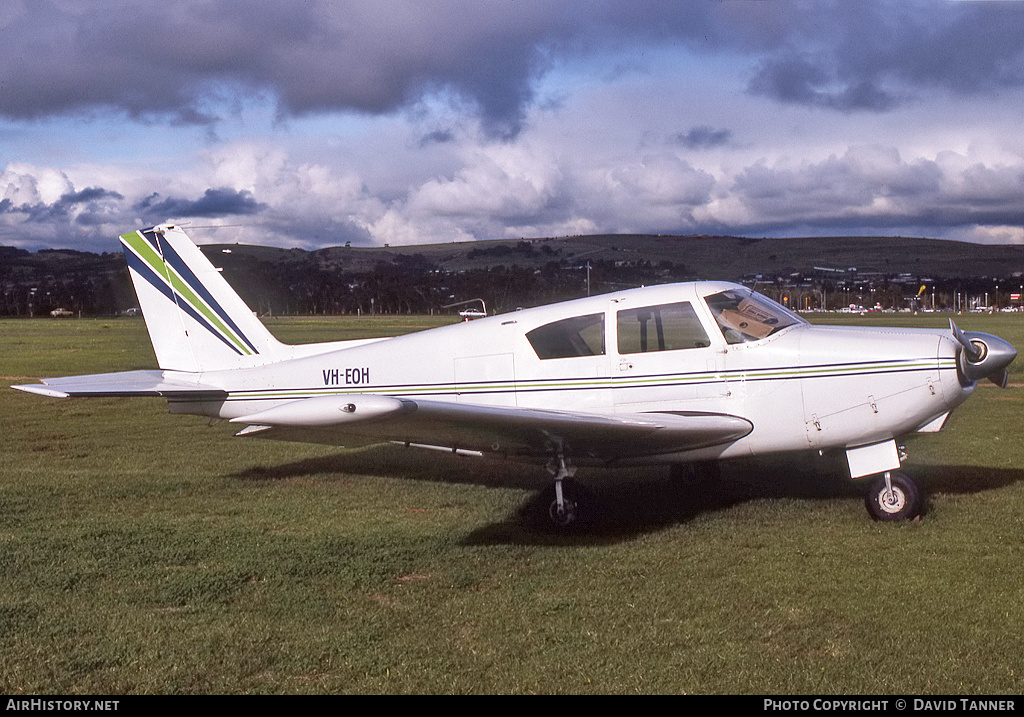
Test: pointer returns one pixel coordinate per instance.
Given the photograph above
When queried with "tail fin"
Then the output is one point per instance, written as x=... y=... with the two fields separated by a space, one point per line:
x=196 y=321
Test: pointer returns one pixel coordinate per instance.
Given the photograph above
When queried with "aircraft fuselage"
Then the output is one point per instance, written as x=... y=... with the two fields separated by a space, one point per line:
x=802 y=387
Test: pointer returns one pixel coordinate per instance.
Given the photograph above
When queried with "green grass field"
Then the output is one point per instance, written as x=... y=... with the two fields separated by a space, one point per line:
x=148 y=553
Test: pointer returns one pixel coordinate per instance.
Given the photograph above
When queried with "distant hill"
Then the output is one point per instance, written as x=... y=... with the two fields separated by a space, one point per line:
x=717 y=257
x=510 y=273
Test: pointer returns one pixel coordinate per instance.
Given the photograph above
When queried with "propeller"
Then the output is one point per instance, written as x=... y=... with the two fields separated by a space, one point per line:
x=984 y=356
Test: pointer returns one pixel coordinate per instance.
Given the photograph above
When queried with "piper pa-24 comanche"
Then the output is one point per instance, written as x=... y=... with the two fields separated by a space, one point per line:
x=685 y=375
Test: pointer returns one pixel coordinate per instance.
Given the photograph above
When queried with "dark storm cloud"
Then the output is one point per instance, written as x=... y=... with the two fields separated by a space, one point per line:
x=925 y=222
x=873 y=189
x=213 y=203
x=180 y=59
x=798 y=80
x=177 y=59
x=312 y=232
x=82 y=204
x=74 y=219
x=876 y=56
x=441 y=136
x=703 y=137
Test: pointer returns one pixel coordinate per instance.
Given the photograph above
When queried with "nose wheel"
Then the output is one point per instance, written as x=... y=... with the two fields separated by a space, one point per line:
x=893 y=496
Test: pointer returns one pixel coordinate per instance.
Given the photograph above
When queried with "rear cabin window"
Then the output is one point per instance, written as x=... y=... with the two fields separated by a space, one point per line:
x=667 y=327
x=578 y=336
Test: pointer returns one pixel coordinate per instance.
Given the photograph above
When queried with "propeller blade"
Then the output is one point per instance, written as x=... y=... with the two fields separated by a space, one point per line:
x=973 y=352
x=1000 y=379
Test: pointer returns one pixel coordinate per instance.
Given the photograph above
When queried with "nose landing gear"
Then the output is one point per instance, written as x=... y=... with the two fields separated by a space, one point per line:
x=894 y=496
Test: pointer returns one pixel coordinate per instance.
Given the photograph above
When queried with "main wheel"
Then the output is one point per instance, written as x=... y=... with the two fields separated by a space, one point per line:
x=573 y=506
x=903 y=502
x=566 y=516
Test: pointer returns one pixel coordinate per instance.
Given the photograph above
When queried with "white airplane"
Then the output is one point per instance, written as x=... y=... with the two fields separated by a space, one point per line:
x=685 y=375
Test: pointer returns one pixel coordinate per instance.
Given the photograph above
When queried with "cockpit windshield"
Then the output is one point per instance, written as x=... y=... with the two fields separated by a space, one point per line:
x=745 y=316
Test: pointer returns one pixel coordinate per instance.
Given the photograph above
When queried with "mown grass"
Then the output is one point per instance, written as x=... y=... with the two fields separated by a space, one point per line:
x=148 y=553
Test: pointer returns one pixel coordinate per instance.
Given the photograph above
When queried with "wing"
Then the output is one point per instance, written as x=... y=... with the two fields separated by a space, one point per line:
x=359 y=419
x=169 y=384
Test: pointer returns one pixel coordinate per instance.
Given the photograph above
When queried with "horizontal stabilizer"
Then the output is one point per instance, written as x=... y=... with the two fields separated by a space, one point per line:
x=169 y=384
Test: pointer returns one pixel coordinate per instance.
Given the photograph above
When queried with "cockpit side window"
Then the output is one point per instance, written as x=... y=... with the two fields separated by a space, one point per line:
x=578 y=336
x=666 y=327
x=745 y=316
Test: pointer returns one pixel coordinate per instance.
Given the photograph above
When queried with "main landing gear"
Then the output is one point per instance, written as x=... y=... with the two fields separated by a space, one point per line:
x=563 y=498
x=894 y=496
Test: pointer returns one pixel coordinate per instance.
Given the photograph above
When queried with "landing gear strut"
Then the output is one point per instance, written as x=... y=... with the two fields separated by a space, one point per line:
x=564 y=506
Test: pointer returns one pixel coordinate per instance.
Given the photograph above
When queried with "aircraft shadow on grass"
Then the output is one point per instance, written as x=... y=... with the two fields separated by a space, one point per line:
x=628 y=501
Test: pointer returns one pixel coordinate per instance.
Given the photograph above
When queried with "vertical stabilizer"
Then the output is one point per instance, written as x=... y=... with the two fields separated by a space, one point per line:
x=196 y=321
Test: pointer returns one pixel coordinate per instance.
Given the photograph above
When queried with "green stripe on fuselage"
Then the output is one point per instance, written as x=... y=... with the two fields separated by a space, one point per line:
x=576 y=384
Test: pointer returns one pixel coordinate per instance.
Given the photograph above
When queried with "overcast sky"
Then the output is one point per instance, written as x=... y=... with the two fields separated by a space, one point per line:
x=315 y=122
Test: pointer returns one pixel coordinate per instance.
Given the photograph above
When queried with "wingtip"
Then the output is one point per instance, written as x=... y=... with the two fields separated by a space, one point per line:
x=41 y=390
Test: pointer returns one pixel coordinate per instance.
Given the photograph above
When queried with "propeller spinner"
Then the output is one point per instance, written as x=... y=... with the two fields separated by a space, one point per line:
x=984 y=356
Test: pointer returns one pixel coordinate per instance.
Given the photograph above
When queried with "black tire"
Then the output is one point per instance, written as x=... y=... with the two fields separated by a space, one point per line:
x=575 y=506
x=905 y=502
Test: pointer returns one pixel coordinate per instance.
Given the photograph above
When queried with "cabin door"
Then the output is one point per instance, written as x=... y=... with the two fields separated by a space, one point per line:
x=663 y=358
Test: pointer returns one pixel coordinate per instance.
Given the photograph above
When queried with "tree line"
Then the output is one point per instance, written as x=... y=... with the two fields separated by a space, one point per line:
x=503 y=276
x=308 y=283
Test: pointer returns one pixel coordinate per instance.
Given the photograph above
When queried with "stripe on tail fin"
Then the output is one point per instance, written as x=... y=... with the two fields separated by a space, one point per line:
x=195 y=320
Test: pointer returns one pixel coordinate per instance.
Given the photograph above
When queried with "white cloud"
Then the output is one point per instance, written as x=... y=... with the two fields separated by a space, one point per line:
x=24 y=184
x=502 y=181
